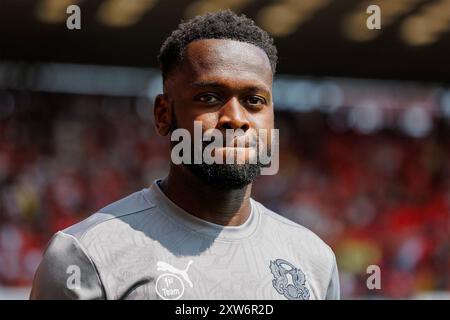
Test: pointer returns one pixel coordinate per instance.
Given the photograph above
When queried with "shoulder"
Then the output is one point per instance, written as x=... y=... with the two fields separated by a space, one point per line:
x=76 y=246
x=116 y=214
x=317 y=257
x=291 y=227
x=66 y=272
x=298 y=235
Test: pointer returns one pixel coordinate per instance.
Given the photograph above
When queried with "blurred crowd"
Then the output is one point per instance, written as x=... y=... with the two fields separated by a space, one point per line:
x=380 y=199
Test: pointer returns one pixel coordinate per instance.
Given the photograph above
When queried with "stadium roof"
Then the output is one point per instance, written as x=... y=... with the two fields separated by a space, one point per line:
x=314 y=38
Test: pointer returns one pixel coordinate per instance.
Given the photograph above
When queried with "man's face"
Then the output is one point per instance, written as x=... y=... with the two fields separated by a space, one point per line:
x=224 y=84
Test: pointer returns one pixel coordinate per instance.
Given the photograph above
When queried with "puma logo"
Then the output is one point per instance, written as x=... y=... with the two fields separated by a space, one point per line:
x=164 y=266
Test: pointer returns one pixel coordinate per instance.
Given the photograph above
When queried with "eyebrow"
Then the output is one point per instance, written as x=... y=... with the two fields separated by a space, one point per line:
x=217 y=85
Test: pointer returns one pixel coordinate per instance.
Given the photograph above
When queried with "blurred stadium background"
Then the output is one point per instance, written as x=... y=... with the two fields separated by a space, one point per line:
x=364 y=118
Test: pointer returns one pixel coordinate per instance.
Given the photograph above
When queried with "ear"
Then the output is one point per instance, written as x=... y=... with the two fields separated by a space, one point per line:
x=162 y=112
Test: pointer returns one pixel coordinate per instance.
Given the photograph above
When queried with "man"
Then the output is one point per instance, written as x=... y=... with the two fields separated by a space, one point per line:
x=197 y=234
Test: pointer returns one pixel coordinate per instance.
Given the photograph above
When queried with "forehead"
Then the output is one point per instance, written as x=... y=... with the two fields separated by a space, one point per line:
x=221 y=59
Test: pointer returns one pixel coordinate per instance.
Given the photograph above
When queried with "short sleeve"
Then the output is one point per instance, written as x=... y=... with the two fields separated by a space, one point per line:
x=66 y=272
x=333 y=291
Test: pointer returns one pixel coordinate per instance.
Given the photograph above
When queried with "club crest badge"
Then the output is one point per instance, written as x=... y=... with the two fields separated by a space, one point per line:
x=289 y=280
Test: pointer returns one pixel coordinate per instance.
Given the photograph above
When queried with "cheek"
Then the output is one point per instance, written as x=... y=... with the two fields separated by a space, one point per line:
x=186 y=113
x=186 y=120
x=266 y=122
x=209 y=120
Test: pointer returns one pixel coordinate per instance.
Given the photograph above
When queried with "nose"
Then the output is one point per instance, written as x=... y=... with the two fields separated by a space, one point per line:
x=233 y=116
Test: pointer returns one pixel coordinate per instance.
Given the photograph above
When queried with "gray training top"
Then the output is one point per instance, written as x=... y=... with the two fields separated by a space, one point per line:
x=146 y=247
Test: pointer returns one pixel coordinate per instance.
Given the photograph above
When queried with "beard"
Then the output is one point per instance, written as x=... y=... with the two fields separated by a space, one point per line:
x=226 y=176
x=223 y=176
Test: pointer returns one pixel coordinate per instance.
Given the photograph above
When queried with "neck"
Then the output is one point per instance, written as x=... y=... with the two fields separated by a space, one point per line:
x=224 y=207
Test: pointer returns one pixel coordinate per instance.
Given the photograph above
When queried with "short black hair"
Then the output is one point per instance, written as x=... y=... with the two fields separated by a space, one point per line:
x=221 y=25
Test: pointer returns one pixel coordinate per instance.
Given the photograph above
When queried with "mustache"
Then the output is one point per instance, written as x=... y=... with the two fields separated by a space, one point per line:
x=243 y=142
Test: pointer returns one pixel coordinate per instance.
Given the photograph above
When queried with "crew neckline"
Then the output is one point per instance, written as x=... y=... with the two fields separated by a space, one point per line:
x=155 y=195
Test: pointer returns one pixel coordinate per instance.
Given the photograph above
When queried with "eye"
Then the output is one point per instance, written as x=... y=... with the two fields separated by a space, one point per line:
x=255 y=101
x=209 y=98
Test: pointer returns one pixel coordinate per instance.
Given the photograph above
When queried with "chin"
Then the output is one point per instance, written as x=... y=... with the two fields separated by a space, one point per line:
x=226 y=176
